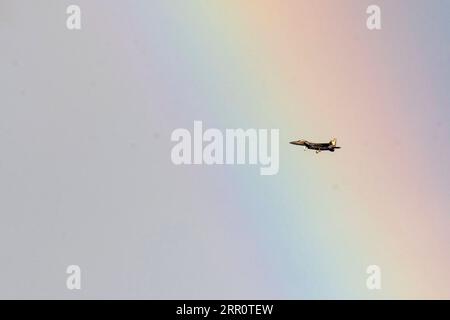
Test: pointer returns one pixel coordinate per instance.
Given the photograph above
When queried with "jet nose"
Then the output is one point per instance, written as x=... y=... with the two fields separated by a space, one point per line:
x=298 y=142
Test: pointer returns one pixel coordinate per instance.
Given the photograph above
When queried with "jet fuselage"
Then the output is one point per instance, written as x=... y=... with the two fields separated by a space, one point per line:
x=330 y=146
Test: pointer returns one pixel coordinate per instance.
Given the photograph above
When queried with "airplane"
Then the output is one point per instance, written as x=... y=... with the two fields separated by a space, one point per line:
x=330 y=146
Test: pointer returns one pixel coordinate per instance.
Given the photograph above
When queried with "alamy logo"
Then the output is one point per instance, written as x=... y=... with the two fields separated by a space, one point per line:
x=374 y=20
x=373 y=281
x=251 y=146
x=73 y=281
x=73 y=21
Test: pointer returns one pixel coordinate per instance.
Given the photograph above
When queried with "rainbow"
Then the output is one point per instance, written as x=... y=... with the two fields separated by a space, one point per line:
x=313 y=70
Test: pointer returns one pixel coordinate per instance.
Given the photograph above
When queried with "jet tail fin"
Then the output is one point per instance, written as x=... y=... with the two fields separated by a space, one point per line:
x=333 y=142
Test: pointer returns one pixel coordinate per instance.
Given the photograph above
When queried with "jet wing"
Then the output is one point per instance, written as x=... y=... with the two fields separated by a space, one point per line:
x=318 y=145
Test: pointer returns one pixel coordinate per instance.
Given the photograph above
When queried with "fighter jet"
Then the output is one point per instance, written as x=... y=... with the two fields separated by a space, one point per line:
x=330 y=146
